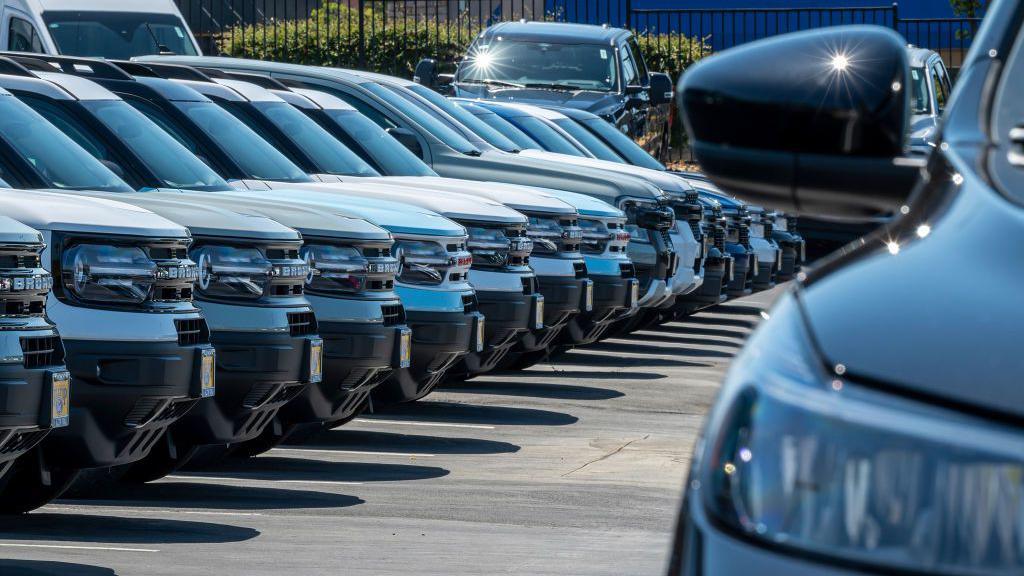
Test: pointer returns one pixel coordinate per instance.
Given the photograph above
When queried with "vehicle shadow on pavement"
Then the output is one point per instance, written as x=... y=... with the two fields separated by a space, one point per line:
x=669 y=339
x=533 y=390
x=623 y=361
x=709 y=321
x=700 y=331
x=456 y=413
x=633 y=348
x=43 y=568
x=730 y=309
x=555 y=369
x=210 y=496
x=370 y=440
x=293 y=469
x=68 y=527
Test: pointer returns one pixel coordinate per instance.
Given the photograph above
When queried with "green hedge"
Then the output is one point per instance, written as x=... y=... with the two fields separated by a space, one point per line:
x=330 y=37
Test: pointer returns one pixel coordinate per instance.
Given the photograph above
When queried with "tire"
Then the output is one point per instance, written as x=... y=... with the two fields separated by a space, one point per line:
x=22 y=489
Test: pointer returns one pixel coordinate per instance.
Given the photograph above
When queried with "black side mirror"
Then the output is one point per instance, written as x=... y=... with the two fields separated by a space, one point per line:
x=812 y=121
x=114 y=167
x=426 y=73
x=408 y=139
x=661 y=88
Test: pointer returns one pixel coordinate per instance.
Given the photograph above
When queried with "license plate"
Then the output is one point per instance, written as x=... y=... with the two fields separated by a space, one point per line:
x=538 y=313
x=803 y=252
x=404 y=348
x=480 y=333
x=756 y=265
x=634 y=293
x=60 y=403
x=732 y=270
x=208 y=385
x=778 y=259
x=316 y=360
x=588 y=296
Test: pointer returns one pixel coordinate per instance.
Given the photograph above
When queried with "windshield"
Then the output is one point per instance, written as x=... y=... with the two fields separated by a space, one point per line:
x=378 y=147
x=545 y=135
x=507 y=129
x=478 y=127
x=541 y=65
x=165 y=157
x=592 y=143
x=622 y=144
x=329 y=155
x=253 y=155
x=424 y=120
x=54 y=156
x=118 y=34
x=919 y=101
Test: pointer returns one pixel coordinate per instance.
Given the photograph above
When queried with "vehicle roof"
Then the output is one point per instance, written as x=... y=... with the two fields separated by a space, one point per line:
x=559 y=32
x=172 y=90
x=14 y=232
x=58 y=86
x=248 y=90
x=919 y=56
x=250 y=64
x=323 y=99
x=149 y=6
x=542 y=112
x=575 y=113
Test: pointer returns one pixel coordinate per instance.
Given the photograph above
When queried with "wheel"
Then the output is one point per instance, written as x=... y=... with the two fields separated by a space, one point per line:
x=22 y=489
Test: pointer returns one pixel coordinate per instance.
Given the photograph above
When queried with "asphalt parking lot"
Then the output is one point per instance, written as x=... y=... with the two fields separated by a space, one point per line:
x=572 y=467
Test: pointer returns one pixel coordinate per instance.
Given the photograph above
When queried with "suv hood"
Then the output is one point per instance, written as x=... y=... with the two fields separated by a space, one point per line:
x=544 y=173
x=70 y=212
x=394 y=217
x=665 y=181
x=950 y=301
x=14 y=232
x=587 y=205
x=204 y=218
x=596 y=102
x=523 y=198
x=448 y=203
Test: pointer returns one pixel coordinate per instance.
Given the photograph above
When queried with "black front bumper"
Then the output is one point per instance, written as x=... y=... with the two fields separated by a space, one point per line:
x=25 y=409
x=613 y=295
x=563 y=299
x=357 y=357
x=439 y=341
x=743 y=271
x=712 y=290
x=766 y=273
x=124 y=397
x=508 y=315
x=257 y=374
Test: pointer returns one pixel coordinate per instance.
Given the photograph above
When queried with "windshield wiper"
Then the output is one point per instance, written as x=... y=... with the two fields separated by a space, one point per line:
x=554 y=86
x=491 y=82
x=160 y=48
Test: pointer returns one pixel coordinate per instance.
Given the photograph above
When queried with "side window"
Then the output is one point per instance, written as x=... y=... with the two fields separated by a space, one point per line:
x=638 y=57
x=22 y=36
x=365 y=109
x=940 y=86
x=630 y=75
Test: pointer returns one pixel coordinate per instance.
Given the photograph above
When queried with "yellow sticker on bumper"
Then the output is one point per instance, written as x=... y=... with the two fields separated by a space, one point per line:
x=316 y=360
x=208 y=385
x=60 y=405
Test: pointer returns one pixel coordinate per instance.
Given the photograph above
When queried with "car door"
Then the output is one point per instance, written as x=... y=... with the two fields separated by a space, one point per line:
x=634 y=118
x=656 y=117
x=19 y=33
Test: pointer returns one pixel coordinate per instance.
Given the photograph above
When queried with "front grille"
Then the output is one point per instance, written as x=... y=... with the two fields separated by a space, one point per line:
x=580 y=268
x=469 y=303
x=628 y=270
x=282 y=253
x=720 y=237
x=40 y=351
x=192 y=331
x=377 y=252
x=529 y=285
x=301 y=323
x=695 y=228
x=744 y=235
x=23 y=283
x=394 y=314
x=23 y=260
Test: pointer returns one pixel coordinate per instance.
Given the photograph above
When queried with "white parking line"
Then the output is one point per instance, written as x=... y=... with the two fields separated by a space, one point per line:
x=230 y=479
x=363 y=452
x=54 y=546
x=136 y=511
x=415 y=423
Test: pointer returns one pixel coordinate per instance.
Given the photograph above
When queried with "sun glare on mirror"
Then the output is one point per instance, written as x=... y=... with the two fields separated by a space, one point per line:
x=840 y=63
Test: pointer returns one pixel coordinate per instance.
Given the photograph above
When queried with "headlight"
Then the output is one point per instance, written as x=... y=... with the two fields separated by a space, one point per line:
x=600 y=236
x=334 y=268
x=422 y=262
x=228 y=272
x=552 y=235
x=489 y=246
x=803 y=460
x=108 y=274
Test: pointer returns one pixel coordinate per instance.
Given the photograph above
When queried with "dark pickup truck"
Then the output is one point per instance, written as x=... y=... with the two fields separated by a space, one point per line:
x=594 y=68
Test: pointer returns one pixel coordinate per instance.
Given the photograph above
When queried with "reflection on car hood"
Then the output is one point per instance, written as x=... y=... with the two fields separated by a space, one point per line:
x=587 y=205
x=514 y=196
x=406 y=190
x=70 y=212
x=204 y=218
x=663 y=180
x=583 y=100
x=14 y=232
x=936 y=316
x=395 y=217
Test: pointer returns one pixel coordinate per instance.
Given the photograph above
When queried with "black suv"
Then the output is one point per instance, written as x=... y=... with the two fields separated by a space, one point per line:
x=874 y=423
x=594 y=68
